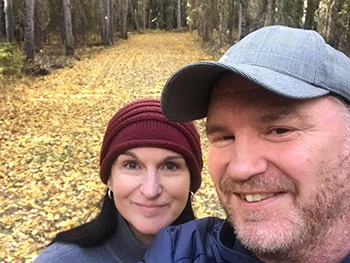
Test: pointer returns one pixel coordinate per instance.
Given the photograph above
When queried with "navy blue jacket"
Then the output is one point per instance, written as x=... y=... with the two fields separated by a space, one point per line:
x=200 y=241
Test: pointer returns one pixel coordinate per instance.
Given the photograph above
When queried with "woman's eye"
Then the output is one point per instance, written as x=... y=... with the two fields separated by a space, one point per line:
x=131 y=165
x=171 y=166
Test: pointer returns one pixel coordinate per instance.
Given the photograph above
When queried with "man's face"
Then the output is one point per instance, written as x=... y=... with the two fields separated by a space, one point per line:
x=280 y=166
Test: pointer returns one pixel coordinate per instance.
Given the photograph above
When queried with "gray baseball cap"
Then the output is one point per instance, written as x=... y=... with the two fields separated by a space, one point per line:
x=291 y=62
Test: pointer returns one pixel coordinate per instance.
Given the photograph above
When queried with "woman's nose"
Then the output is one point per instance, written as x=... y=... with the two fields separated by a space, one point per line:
x=151 y=184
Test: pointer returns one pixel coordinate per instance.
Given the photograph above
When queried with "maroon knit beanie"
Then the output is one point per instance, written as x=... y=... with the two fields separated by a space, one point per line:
x=142 y=124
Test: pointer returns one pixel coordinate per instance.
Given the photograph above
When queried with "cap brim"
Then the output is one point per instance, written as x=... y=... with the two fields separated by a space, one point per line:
x=186 y=94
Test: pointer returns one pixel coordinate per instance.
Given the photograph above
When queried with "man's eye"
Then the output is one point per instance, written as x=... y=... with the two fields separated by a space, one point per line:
x=281 y=130
x=226 y=138
x=131 y=165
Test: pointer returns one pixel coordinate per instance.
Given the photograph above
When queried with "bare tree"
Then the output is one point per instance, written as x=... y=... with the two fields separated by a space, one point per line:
x=269 y=19
x=29 y=29
x=312 y=6
x=8 y=7
x=38 y=30
x=144 y=15
x=133 y=11
x=2 y=21
x=124 y=15
x=107 y=22
x=223 y=9
x=178 y=14
x=330 y=23
x=169 y=7
x=260 y=17
x=243 y=24
x=111 y=21
x=68 y=27
x=347 y=43
x=232 y=20
x=102 y=19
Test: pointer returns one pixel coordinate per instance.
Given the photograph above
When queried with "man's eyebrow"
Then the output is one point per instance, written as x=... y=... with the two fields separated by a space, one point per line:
x=213 y=128
x=279 y=115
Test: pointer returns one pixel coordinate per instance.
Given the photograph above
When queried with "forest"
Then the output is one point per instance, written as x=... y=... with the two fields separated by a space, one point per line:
x=51 y=127
x=29 y=27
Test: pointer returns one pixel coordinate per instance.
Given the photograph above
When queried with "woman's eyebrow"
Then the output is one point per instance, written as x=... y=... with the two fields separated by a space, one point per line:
x=172 y=157
x=129 y=153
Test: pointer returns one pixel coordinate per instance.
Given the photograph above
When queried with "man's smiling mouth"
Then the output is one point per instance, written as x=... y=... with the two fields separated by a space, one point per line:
x=256 y=197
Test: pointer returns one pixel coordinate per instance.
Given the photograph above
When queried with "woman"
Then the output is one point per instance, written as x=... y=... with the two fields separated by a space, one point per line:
x=150 y=166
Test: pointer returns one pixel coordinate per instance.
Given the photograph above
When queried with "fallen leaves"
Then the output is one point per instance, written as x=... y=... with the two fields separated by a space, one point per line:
x=51 y=130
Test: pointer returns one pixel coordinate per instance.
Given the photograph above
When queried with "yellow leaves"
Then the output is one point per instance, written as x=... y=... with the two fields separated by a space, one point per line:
x=65 y=225
x=62 y=210
x=179 y=47
x=51 y=130
x=2 y=254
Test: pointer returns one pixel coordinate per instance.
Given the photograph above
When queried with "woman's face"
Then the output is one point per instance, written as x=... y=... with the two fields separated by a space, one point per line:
x=150 y=188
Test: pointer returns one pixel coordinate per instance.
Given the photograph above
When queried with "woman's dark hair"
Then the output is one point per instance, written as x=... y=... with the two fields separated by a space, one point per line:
x=102 y=227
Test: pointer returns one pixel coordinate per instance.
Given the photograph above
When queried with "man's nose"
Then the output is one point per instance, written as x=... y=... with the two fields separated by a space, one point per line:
x=151 y=184
x=247 y=158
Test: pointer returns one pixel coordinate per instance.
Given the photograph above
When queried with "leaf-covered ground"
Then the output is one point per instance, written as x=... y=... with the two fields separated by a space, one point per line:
x=51 y=129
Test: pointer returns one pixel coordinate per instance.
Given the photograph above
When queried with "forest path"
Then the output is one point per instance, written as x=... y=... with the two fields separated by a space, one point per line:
x=51 y=129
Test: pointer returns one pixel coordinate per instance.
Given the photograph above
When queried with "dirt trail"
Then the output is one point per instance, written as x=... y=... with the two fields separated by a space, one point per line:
x=51 y=130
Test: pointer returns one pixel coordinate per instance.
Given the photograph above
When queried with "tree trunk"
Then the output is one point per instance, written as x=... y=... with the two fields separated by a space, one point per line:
x=260 y=18
x=134 y=17
x=124 y=19
x=243 y=25
x=332 y=36
x=84 y=23
x=144 y=17
x=2 y=21
x=38 y=30
x=191 y=6
x=68 y=28
x=169 y=14
x=111 y=22
x=107 y=22
x=29 y=29
x=232 y=20
x=347 y=43
x=312 y=6
x=178 y=14
x=8 y=7
x=269 y=19
x=102 y=20
x=223 y=20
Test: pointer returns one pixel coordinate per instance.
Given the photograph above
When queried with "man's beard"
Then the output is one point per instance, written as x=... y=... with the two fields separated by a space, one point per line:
x=297 y=231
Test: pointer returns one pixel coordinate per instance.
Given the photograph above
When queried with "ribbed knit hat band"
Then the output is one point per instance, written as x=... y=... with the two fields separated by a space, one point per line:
x=142 y=124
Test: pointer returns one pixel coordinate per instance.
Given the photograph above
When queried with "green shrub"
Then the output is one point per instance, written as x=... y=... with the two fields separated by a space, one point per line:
x=11 y=59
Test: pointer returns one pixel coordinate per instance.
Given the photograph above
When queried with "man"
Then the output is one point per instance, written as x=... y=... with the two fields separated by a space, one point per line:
x=278 y=126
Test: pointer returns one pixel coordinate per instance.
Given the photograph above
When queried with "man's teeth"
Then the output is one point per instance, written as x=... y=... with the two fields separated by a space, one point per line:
x=256 y=197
